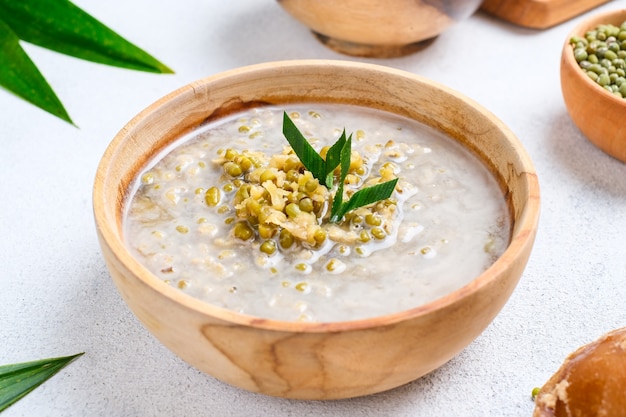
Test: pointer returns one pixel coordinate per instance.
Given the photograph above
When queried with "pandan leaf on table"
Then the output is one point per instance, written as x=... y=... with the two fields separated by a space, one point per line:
x=19 y=379
x=60 y=26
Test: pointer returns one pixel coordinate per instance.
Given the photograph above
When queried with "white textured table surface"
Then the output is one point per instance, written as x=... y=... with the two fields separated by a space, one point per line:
x=56 y=297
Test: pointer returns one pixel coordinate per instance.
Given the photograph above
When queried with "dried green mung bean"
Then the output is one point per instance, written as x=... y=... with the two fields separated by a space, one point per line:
x=614 y=47
x=601 y=54
x=580 y=54
x=597 y=68
x=603 y=80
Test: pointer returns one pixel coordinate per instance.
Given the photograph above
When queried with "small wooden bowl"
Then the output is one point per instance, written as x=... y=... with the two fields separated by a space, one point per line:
x=315 y=360
x=598 y=114
x=378 y=29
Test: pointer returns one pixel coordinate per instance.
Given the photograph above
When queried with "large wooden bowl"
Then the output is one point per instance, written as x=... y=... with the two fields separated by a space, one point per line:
x=315 y=360
x=597 y=113
x=380 y=29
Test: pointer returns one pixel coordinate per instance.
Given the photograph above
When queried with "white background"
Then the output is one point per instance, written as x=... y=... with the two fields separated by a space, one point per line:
x=56 y=297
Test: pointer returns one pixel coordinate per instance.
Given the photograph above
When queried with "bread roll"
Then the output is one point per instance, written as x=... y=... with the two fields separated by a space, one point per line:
x=591 y=382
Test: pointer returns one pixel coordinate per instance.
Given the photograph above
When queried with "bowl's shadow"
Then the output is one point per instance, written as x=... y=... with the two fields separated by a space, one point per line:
x=585 y=162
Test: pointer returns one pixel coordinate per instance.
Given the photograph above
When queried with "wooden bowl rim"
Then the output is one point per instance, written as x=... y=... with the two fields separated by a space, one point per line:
x=568 y=60
x=521 y=236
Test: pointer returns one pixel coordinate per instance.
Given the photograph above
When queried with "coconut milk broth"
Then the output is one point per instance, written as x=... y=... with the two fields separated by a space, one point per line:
x=453 y=221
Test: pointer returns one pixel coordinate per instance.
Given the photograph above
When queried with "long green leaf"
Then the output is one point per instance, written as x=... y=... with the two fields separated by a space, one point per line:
x=19 y=75
x=61 y=26
x=19 y=379
x=365 y=196
x=336 y=211
x=308 y=156
x=333 y=158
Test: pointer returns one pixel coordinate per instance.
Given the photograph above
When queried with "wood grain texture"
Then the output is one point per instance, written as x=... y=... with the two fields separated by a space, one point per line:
x=598 y=114
x=316 y=360
x=538 y=14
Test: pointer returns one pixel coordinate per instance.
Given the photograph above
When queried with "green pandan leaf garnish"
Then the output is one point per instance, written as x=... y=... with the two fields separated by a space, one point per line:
x=324 y=170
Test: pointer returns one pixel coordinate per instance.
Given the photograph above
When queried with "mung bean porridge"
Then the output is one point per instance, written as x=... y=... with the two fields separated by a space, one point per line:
x=229 y=215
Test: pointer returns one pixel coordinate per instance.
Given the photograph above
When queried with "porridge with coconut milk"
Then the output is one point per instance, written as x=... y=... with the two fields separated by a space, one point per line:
x=230 y=215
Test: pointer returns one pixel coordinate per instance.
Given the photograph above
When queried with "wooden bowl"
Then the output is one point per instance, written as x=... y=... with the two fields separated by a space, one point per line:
x=315 y=360
x=597 y=113
x=373 y=28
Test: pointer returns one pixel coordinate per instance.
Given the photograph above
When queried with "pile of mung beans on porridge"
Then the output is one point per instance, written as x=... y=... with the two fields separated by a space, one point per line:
x=229 y=214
